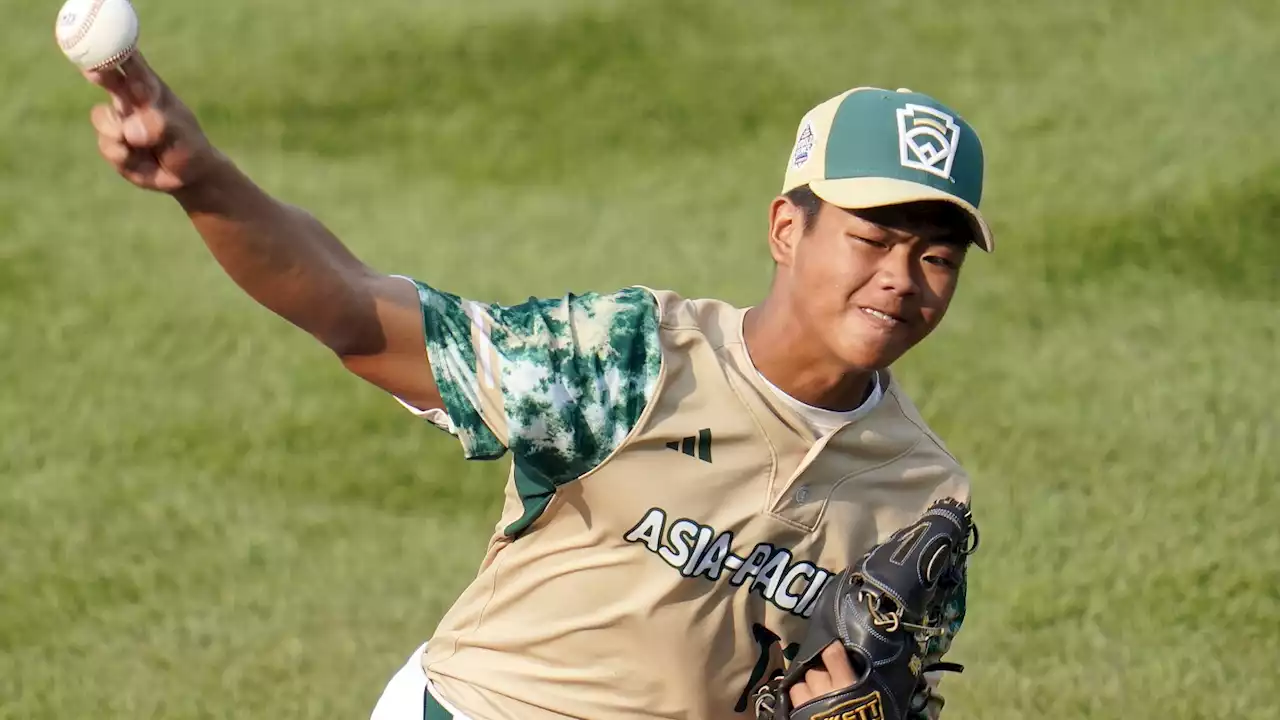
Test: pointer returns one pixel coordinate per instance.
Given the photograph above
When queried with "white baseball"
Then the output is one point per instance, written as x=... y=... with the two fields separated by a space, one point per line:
x=97 y=34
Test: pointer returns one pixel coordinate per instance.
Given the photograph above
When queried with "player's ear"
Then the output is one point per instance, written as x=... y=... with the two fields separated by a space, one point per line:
x=786 y=226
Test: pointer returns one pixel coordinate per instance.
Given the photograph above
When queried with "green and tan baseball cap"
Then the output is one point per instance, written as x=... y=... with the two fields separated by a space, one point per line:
x=869 y=147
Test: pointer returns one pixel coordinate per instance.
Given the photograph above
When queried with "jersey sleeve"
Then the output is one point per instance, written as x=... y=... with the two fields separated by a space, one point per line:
x=559 y=383
x=953 y=609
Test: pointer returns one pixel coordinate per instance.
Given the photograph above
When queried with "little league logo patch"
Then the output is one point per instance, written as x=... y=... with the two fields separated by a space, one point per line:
x=804 y=146
x=927 y=139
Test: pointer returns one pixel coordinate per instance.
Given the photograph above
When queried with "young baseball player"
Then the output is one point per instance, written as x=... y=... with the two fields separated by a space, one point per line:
x=686 y=476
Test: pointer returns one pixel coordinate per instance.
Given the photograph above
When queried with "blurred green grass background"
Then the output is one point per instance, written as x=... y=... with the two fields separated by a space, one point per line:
x=202 y=515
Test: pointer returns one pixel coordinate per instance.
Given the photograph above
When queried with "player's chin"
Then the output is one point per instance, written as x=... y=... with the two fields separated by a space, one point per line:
x=872 y=354
x=876 y=350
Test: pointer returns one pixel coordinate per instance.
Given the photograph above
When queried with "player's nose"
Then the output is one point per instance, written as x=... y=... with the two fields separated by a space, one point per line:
x=895 y=273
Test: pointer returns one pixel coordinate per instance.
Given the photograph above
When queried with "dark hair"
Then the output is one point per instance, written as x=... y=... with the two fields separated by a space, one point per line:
x=932 y=212
x=805 y=199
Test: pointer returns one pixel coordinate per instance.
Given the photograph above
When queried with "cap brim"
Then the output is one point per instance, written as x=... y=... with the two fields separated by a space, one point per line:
x=865 y=193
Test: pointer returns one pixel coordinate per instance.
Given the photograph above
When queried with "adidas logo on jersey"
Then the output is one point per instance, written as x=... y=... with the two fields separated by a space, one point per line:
x=700 y=443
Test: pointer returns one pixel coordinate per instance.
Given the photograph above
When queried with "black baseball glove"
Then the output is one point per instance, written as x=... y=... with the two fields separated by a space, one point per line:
x=884 y=610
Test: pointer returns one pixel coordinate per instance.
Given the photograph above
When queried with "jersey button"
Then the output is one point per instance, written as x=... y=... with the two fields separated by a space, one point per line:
x=802 y=495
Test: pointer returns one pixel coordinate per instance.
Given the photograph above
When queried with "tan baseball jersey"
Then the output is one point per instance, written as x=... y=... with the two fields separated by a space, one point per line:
x=668 y=521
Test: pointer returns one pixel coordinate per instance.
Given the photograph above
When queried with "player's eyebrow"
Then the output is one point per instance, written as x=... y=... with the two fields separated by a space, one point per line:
x=934 y=221
x=959 y=238
x=873 y=230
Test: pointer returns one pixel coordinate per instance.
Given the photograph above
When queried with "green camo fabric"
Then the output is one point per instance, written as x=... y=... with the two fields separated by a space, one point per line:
x=576 y=374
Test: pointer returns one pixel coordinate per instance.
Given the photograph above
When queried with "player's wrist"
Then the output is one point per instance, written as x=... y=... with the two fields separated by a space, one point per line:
x=213 y=184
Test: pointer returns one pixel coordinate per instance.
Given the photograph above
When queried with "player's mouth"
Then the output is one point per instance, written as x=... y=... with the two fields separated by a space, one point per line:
x=883 y=318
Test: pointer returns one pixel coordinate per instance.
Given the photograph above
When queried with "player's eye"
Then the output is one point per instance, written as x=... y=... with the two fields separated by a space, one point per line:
x=869 y=241
x=942 y=261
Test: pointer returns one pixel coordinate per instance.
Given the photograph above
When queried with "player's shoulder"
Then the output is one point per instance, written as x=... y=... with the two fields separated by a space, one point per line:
x=718 y=321
x=627 y=305
x=903 y=417
x=620 y=323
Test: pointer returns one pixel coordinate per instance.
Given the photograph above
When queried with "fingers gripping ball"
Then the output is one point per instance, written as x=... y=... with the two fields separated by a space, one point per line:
x=883 y=610
x=97 y=34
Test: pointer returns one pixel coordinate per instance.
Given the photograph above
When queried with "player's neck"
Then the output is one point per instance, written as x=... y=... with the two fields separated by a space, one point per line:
x=798 y=366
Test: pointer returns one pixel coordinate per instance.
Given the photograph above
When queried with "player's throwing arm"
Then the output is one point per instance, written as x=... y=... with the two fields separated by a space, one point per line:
x=590 y=393
x=279 y=254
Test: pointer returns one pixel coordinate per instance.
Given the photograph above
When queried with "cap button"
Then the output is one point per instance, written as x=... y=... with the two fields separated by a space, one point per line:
x=905 y=90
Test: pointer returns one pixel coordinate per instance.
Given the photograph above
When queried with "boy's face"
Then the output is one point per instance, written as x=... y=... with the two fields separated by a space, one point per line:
x=869 y=284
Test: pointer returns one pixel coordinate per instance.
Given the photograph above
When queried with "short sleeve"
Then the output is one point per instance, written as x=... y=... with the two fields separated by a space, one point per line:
x=559 y=382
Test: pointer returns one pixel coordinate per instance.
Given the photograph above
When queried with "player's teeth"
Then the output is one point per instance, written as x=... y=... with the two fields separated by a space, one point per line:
x=877 y=313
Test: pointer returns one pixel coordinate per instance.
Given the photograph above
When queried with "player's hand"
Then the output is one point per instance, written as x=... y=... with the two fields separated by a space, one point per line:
x=836 y=673
x=146 y=133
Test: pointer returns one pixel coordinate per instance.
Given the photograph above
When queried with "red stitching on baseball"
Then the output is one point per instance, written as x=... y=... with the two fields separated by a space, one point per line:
x=115 y=58
x=84 y=26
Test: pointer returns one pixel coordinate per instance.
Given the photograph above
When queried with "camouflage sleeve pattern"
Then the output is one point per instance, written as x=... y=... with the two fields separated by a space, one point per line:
x=953 y=612
x=558 y=382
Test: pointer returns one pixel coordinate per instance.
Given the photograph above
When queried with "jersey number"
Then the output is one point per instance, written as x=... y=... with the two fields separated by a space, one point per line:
x=766 y=639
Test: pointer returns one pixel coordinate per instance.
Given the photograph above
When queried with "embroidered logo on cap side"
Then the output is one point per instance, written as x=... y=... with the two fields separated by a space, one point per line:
x=927 y=139
x=804 y=146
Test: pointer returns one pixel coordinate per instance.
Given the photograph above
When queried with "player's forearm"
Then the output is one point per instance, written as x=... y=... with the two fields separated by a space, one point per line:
x=284 y=259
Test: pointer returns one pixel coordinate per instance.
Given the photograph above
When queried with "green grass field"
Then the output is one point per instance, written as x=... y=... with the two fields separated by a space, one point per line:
x=203 y=516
